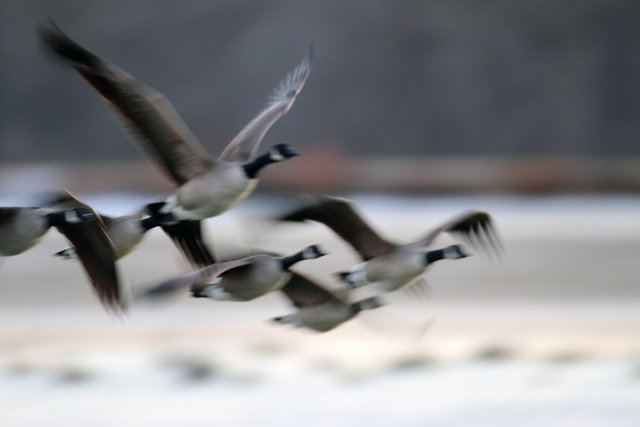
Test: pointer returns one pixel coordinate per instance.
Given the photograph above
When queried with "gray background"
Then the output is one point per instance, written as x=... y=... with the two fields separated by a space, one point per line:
x=418 y=78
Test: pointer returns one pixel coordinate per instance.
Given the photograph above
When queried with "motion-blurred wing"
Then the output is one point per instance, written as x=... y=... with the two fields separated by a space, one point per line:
x=474 y=227
x=341 y=217
x=419 y=289
x=243 y=147
x=96 y=254
x=187 y=235
x=303 y=292
x=145 y=113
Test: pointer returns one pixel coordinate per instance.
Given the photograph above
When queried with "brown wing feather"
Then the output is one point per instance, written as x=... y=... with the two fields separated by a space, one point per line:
x=244 y=145
x=97 y=255
x=475 y=227
x=145 y=113
x=95 y=252
x=187 y=235
x=304 y=292
x=341 y=217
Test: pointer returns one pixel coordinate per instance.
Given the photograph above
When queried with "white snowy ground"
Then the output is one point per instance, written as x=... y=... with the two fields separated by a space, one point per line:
x=548 y=337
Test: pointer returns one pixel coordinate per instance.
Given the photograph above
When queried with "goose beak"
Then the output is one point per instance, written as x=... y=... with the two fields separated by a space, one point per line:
x=462 y=252
x=289 y=151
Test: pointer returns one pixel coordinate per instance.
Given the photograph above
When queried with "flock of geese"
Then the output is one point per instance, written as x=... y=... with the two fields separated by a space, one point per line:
x=206 y=186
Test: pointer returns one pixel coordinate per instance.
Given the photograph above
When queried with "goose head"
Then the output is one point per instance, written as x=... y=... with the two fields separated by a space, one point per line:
x=312 y=252
x=282 y=152
x=79 y=214
x=455 y=252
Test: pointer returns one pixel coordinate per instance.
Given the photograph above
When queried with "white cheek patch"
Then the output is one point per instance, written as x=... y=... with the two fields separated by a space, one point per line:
x=308 y=253
x=275 y=155
x=215 y=281
x=357 y=274
x=71 y=217
x=170 y=204
x=451 y=252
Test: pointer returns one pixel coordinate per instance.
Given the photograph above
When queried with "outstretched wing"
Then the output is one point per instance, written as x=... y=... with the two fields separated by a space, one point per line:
x=304 y=292
x=243 y=147
x=474 y=227
x=146 y=114
x=95 y=252
x=340 y=216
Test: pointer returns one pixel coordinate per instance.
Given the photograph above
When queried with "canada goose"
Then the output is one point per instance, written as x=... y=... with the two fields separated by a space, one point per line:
x=23 y=227
x=127 y=231
x=206 y=186
x=318 y=308
x=391 y=265
x=242 y=279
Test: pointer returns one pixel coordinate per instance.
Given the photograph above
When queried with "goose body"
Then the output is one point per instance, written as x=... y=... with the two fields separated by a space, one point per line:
x=317 y=308
x=243 y=279
x=259 y=276
x=391 y=271
x=126 y=232
x=392 y=266
x=218 y=190
x=21 y=229
x=399 y=268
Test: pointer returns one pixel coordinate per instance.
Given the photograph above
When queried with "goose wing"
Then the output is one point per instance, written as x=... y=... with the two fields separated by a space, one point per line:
x=95 y=252
x=304 y=292
x=147 y=115
x=243 y=147
x=107 y=220
x=340 y=216
x=187 y=235
x=475 y=227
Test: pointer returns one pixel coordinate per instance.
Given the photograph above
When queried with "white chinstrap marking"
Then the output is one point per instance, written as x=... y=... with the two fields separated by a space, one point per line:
x=275 y=155
x=357 y=275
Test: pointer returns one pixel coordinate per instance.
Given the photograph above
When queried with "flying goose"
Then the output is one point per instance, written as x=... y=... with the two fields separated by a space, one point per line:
x=392 y=265
x=22 y=227
x=206 y=186
x=127 y=231
x=242 y=279
x=318 y=308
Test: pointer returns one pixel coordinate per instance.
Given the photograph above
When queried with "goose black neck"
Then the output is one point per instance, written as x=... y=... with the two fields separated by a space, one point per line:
x=433 y=256
x=251 y=169
x=149 y=222
x=56 y=218
x=287 y=262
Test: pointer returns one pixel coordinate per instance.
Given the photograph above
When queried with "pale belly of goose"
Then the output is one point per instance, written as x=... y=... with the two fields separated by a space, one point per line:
x=212 y=194
x=125 y=234
x=394 y=271
x=248 y=284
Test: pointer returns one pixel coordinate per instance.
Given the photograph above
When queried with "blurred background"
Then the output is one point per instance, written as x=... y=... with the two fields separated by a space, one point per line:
x=417 y=110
